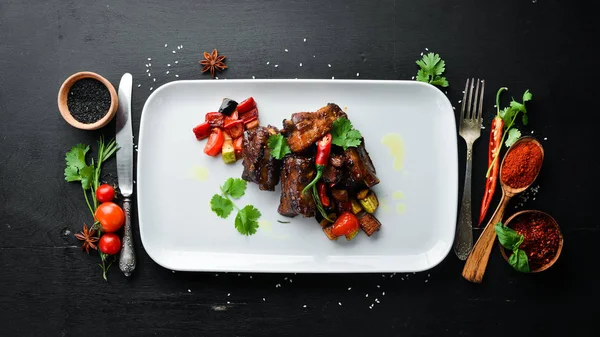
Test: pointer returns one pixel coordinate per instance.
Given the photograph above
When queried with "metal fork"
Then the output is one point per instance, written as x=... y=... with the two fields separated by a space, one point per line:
x=469 y=129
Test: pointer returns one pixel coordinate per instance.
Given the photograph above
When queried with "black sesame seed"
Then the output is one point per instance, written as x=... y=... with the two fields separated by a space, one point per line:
x=88 y=100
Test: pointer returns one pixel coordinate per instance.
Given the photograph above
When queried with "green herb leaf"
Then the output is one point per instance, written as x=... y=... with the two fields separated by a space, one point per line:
x=342 y=134
x=246 y=221
x=279 y=146
x=527 y=96
x=221 y=206
x=76 y=156
x=508 y=237
x=519 y=261
x=72 y=174
x=513 y=136
x=235 y=187
x=432 y=67
x=87 y=176
x=525 y=119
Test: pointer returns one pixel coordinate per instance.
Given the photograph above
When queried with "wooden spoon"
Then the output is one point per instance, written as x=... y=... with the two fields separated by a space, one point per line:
x=478 y=258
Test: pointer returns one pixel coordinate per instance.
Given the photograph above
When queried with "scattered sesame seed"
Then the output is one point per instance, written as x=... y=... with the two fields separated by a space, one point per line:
x=383 y=293
x=228 y=302
x=531 y=131
x=426 y=281
x=285 y=278
x=378 y=286
x=173 y=271
x=228 y=294
x=304 y=39
x=421 y=54
x=253 y=77
x=189 y=290
x=412 y=78
x=371 y=307
x=174 y=52
x=453 y=108
x=314 y=56
x=402 y=278
x=168 y=64
x=349 y=288
x=176 y=62
x=286 y=50
x=238 y=274
x=329 y=65
x=147 y=70
x=382 y=275
x=333 y=78
x=545 y=138
x=340 y=303
x=301 y=64
x=151 y=88
x=277 y=65
x=263 y=299
x=357 y=74
x=268 y=62
x=427 y=49
x=217 y=77
x=149 y=59
x=165 y=45
x=176 y=75
x=459 y=101
x=367 y=295
x=178 y=47
x=139 y=85
x=428 y=275
x=154 y=80
x=167 y=72
x=149 y=64
x=149 y=74
x=304 y=306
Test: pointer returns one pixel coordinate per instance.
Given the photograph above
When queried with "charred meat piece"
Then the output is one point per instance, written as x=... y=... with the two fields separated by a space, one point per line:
x=296 y=173
x=333 y=171
x=259 y=166
x=305 y=128
x=360 y=167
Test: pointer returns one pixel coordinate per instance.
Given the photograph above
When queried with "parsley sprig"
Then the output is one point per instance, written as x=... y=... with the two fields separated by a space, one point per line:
x=246 y=220
x=432 y=68
x=342 y=134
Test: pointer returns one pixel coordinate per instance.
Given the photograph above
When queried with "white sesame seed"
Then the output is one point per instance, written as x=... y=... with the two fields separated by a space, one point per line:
x=147 y=70
x=268 y=62
x=304 y=39
x=421 y=54
x=427 y=49
x=154 y=80
x=181 y=46
x=149 y=74
x=174 y=52
x=250 y=276
x=189 y=290
x=139 y=85
x=402 y=278
x=304 y=306
x=329 y=65
x=228 y=302
x=285 y=278
x=453 y=108
x=217 y=77
x=426 y=281
x=333 y=78
x=301 y=64
x=176 y=62
x=149 y=64
x=531 y=131
x=459 y=101
x=412 y=78
x=428 y=275
x=545 y=138
x=263 y=299
x=151 y=88
x=178 y=47
x=378 y=286
x=340 y=303
x=357 y=74
x=165 y=45
x=149 y=59
x=173 y=271
x=383 y=293
x=168 y=64
x=314 y=56
x=277 y=65
x=371 y=307
x=176 y=75
x=253 y=77
x=349 y=288
x=286 y=50
x=167 y=72
x=367 y=295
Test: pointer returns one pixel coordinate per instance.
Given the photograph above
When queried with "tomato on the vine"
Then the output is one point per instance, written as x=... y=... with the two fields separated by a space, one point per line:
x=109 y=243
x=111 y=217
x=105 y=193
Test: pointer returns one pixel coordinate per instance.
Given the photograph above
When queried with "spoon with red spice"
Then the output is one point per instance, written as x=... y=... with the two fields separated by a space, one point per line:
x=519 y=169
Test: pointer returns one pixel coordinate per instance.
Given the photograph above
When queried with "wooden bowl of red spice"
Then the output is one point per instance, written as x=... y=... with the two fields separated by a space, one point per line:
x=87 y=100
x=542 y=238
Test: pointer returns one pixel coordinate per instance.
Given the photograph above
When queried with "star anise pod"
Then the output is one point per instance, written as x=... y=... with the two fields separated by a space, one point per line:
x=213 y=62
x=88 y=237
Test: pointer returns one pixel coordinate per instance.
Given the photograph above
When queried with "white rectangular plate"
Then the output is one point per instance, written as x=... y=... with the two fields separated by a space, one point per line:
x=418 y=189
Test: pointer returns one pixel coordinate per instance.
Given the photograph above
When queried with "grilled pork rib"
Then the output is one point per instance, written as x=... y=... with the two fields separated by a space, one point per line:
x=259 y=166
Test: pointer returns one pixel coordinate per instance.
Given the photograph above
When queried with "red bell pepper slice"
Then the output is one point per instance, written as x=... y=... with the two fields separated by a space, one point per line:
x=246 y=105
x=202 y=131
x=215 y=142
x=215 y=119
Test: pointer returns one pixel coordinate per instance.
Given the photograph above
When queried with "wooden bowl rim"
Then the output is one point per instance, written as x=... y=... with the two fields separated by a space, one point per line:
x=64 y=110
x=560 y=242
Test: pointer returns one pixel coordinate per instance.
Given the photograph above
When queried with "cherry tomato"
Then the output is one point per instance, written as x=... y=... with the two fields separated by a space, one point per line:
x=111 y=216
x=345 y=224
x=202 y=131
x=246 y=105
x=215 y=119
x=215 y=142
x=109 y=243
x=105 y=193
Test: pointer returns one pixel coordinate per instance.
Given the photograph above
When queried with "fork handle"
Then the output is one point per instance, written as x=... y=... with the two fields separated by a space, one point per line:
x=464 y=230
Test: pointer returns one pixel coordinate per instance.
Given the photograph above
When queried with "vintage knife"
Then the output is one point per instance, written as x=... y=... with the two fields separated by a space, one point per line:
x=124 y=137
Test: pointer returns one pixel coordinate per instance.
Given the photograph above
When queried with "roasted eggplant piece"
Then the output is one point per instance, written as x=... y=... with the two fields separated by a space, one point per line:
x=369 y=224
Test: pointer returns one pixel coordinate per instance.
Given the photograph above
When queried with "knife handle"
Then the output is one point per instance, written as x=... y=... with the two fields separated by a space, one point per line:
x=127 y=256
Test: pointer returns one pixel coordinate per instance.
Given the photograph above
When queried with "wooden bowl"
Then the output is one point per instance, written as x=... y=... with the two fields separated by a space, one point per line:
x=511 y=220
x=64 y=110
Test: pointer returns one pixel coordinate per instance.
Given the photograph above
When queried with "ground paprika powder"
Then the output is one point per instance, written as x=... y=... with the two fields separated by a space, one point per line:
x=521 y=165
x=541 y=238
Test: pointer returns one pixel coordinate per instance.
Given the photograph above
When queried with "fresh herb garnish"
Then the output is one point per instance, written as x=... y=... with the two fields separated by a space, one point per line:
x=77 y=169
x=246 y=220
x=511 y=240
x=279 y=146
x=432 y=67
x=509 y=115
x=342 y=134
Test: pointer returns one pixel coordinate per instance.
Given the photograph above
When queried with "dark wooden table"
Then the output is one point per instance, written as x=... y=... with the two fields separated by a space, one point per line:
x=48 y=287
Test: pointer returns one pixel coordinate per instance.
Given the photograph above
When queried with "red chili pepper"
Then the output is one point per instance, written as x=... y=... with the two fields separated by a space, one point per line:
x=322 y=188
x=202 y=130
x=321 y=160
x=493 y=163
x=246 y=105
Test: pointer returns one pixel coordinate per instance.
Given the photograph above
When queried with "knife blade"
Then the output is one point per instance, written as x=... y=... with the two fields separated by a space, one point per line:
x=124 y=137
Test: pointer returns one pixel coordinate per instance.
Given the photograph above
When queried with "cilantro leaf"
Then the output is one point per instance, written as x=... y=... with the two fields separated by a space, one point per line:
x=87 y=176
x=513 y=136
x=72 y=174
x=432 y=67
x=234 y=187
x=525 y=119
x=76 y=156
x=221 y=206
x=342 y=134
x=246 y=220
x=527 y=96
x=279 y=146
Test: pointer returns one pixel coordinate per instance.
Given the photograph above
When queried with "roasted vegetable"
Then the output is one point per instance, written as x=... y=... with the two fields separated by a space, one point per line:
x=228 y=106
x=339 y=195
x=329 y=232
x=362 y=194
x=369 y=203
x=228 y=152
x=345 y=224
x=369 y=224
x=356 y=207
x=252 y=125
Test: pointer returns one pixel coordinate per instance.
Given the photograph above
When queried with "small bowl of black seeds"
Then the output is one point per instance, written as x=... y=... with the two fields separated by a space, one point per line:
x=87 y=100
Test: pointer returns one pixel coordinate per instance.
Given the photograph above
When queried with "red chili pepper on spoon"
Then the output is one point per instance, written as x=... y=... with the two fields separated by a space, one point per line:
x=493 y=152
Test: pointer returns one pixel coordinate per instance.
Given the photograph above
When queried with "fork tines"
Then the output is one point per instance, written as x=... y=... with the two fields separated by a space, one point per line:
x=472 y=103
